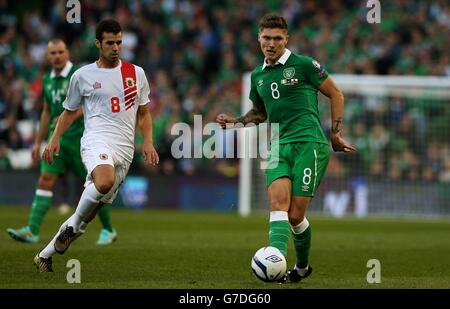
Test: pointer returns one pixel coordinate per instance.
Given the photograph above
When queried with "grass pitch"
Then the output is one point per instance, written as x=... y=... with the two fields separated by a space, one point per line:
x=190 y=250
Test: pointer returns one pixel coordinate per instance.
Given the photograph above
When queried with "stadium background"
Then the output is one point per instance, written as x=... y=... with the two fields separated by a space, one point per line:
x=195 y=54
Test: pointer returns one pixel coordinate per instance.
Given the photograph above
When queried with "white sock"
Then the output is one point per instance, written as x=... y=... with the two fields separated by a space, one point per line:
x=88 y=201
x=42 y=192
x=49 y=250
x=278 y=216
x=82 y=227
x=301 y=271
x=301 y=227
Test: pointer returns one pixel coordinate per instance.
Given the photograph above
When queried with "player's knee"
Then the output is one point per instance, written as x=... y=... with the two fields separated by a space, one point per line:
x=295 y=218
x=46 y=181
x=104 y=185
x=297 y=210
x=279 y=202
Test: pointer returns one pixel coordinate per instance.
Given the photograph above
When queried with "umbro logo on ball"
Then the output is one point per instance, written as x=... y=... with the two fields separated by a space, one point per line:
x=273 y=258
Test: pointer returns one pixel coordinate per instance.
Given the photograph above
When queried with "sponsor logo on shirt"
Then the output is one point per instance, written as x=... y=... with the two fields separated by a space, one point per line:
x=305 y=188
x=260 y=82
x=97 y=85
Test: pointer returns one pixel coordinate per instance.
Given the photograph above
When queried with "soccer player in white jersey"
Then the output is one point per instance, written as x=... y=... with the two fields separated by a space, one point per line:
x=114 y=96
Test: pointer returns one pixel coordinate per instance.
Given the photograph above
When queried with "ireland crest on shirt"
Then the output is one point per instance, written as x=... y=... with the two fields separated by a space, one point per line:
x=288 y=73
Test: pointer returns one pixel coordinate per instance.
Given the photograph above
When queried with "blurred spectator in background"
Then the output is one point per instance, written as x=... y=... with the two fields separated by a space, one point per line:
x=5 y=164
x=196 y=51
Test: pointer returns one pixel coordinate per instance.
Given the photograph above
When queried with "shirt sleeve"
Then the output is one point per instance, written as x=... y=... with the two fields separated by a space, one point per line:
x=254 y=95
x=74 y=98
x=144 y=91
x=44 y=93
x=315 y=73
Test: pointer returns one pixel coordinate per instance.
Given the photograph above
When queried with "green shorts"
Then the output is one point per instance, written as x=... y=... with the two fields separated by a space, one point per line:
x=304 y=163
x=69 y=158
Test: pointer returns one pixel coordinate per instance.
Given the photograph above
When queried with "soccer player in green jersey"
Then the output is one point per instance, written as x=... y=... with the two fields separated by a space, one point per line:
x=284 y=91
x=54 y=88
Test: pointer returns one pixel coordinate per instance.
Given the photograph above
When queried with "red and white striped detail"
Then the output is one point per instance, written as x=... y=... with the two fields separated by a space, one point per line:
x=129 y=83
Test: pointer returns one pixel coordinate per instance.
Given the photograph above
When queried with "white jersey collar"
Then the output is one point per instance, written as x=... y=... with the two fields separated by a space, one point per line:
x=114 y=68
x=64 y=71
x=282 y=59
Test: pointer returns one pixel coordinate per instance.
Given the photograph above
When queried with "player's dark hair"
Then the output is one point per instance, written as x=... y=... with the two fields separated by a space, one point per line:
x=108 y=26
x=273 y=20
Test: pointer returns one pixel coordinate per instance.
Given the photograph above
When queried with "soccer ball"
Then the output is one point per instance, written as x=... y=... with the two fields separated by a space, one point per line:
x=269 y=264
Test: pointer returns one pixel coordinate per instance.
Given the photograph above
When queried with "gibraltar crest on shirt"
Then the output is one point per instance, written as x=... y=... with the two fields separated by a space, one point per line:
x=129 y=82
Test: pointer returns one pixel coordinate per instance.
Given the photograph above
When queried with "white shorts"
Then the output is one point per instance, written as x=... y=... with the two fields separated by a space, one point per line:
x=93 y=157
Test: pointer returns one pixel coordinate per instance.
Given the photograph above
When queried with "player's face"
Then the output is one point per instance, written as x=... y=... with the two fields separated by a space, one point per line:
x=58 y=55
x=273 y=41
x=111 y=46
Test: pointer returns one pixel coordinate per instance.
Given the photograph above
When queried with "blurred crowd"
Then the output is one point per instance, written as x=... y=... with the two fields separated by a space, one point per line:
x=397 y=138
x=195 y=52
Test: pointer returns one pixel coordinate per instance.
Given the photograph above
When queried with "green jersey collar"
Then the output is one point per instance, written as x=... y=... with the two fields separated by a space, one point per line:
x=282 y=59
x=64 y=71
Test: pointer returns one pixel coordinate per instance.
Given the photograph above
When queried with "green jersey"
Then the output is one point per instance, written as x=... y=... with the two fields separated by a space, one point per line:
x=288 y=91
x=54 y=90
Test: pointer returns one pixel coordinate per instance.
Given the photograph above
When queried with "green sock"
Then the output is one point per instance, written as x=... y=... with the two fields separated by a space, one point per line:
x=302 y=244
x=279 y=235
x=105 y=217
x=41 y=204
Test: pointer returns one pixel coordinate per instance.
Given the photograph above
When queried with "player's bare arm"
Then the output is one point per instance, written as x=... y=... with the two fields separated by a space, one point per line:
x=145 y=125
x=256 y=115
x=329 y=88
x=65 y=120
x=44 y=126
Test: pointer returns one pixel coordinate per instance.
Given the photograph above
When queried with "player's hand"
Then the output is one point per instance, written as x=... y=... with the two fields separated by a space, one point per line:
x=35 y=153
x=51 y=149
x=150 y=154
x=223 y=119
x=338 y=144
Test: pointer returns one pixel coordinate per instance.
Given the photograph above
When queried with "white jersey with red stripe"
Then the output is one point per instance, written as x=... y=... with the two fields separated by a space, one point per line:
x=110 y=100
